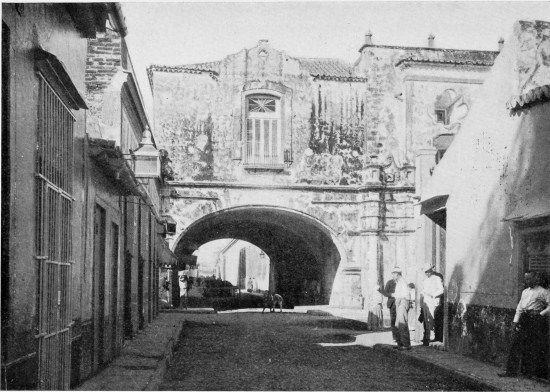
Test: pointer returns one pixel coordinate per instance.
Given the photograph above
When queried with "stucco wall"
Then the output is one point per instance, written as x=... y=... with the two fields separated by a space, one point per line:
x=502 y=162
x=317 y=114
x=400 y=99
x=85 y=301
x=422 y=122
x=497 y=163
x=49 y=27
x=257 y=268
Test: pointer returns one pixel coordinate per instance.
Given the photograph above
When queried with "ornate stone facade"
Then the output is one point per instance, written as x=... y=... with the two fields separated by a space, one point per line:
x=333 y=145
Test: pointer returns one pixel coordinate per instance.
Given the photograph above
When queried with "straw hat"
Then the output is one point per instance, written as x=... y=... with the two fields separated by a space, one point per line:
x=396 y=269
x=427 y=267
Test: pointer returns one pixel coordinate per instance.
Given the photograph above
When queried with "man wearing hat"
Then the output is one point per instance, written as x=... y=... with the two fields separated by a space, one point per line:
x=432 y=294
x=402 y=309
x=388 y=291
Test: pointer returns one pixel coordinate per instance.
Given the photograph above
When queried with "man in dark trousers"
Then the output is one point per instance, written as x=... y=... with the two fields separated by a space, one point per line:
x=432 y=305
x=388 y=291
x=529 y=348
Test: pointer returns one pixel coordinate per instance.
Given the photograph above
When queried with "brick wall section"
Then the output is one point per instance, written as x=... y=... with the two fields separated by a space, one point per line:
x=104 y=57
x=103 y=60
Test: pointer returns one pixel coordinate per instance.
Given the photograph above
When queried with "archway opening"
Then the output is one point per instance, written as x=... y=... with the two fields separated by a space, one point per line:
x=238 y=262
x=302 y=253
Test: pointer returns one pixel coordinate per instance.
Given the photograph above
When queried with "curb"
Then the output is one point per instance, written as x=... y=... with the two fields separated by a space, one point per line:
x=315 y=312
x=470 y=380
x=190 y=310
x=140 y=366
x=160 y=371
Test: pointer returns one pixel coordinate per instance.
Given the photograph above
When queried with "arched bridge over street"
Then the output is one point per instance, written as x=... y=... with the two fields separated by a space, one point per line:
x=343 y=237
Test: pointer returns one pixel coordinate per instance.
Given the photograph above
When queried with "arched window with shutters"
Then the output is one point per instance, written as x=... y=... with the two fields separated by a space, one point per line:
x=263 y=134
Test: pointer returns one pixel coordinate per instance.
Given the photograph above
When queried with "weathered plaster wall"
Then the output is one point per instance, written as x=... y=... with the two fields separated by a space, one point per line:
x=49 y=27
x=99 y=192
x=385 y=99
x=345 y=212
x=492 y=168
x=199 y=119
x=400 y=100
x=115 y=114
x=256 y=267
x=422 y=124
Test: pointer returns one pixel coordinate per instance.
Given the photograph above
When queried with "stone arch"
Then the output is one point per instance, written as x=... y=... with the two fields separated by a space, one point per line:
x=303 y=248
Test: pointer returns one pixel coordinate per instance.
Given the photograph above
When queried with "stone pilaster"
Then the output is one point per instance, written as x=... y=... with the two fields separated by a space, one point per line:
x=425 y=162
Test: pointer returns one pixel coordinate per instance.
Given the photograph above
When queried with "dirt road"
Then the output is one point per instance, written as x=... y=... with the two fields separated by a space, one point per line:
x=273 y=351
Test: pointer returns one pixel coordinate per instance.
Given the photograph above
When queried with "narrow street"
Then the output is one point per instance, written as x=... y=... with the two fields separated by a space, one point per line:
x=254 y=351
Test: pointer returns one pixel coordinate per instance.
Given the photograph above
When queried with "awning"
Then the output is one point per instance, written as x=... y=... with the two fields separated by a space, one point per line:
x=166 y=258
x=56 y=74
x=532 y=209
x=110 y=158
x=188 y=260
x=443 y=141
x=435 y=208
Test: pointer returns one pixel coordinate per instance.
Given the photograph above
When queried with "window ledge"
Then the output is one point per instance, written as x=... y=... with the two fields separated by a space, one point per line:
x=264 y=167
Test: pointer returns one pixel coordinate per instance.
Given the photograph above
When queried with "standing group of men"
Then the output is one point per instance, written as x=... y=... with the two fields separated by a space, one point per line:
x=529 y=348
x=399 y=302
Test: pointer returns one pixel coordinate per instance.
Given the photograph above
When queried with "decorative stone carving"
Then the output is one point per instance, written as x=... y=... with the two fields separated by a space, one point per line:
x=372 y=174
x=166 y=170
x=533 y=61
x=407 y=175
x=449 y=110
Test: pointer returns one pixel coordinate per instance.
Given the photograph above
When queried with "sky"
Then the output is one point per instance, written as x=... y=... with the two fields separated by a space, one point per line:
x=207 y=255
x=178 y=33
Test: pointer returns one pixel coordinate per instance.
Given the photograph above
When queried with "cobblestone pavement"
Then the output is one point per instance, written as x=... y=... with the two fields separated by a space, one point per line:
x=274 y=351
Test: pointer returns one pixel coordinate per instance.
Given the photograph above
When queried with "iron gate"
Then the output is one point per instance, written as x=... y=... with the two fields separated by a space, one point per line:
x=54 y=238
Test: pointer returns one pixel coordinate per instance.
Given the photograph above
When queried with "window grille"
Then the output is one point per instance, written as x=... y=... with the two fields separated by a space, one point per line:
x=263 y=132
x=53 y=244
x=261 y=105
x=537 y=251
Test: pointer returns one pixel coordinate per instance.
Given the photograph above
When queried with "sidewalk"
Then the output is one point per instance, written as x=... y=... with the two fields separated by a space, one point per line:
x=476 y=372
x=143 y=360
x=483 y=375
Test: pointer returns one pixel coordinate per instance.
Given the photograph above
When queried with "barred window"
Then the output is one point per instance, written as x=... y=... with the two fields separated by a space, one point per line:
x=263 y=132
x=53 y=244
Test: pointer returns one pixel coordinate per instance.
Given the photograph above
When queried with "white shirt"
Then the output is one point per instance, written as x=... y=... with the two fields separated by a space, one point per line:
x=377 y=298
x=412 y=294
x=432 y=286
x=401 y=289
x=536 y=298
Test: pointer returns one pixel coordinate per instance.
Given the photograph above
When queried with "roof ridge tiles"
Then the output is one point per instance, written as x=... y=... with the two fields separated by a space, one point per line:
x=448 y=56
x=533 y=96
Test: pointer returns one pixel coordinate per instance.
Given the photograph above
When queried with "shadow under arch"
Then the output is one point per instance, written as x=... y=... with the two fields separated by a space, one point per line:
x=305 y=252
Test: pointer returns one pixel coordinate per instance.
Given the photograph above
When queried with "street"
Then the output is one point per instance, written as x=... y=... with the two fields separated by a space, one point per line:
x=274 y=351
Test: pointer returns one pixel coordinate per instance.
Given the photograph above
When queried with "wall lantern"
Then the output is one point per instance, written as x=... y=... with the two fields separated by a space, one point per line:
x=170 y=224
x=146 y=158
